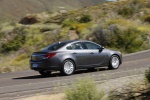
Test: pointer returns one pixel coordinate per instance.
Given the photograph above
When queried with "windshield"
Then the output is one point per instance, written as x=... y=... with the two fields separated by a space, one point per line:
x=55 y=46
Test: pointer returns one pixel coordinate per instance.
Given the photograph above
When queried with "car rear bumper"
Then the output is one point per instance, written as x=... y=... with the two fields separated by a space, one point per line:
x=45 y=65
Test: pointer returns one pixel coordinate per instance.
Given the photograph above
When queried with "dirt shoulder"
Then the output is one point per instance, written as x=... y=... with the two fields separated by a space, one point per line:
x=106 y=86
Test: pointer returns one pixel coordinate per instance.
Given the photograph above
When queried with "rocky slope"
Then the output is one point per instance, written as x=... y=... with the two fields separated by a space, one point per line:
x=16 y=9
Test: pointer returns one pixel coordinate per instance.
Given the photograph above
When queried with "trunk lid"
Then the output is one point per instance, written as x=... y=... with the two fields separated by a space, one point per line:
x=36 y=56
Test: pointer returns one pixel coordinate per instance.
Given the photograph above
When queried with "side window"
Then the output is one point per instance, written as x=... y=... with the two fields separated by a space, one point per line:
x=75 y=46
x=69 y=48
x=90 y=45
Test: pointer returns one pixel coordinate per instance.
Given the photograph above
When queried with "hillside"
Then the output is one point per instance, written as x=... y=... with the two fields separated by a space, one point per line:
x=16 y=9
x=123 y=26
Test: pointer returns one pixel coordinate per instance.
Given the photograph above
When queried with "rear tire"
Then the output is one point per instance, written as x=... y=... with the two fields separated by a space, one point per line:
x=68 y=67
x=45 y=73
x=114 y=62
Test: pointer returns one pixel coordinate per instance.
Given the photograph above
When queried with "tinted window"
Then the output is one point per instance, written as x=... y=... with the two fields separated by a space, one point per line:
x=55 y=46
x=75 y=46
x=90 y=45
x=69 y=48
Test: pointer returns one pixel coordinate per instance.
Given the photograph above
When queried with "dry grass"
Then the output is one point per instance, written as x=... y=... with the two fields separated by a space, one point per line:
x=10 y=63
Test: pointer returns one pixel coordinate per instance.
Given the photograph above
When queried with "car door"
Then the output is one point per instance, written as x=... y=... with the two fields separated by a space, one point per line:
x=97 y=54
x=80 y=55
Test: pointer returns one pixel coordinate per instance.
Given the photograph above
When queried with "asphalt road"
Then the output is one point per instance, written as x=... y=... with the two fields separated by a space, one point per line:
x=25 y=83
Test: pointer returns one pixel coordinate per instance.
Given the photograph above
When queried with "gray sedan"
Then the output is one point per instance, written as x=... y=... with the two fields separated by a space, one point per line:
x=68 y=56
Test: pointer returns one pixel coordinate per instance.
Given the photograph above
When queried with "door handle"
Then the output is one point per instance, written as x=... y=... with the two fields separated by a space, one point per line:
x=74 y=53
x=92 y=53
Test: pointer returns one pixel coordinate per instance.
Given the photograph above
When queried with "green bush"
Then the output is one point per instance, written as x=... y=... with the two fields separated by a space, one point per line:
x=146 y=18
x=147 y=75
x=85 y=19
x=125 y=11
x=15 y=42
x=84 y=89
x=127 y=40
x=68 y=22
x=133 y=7
x=130 y=39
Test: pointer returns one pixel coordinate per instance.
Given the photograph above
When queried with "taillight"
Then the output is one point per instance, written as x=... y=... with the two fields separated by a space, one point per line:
x=50 y=55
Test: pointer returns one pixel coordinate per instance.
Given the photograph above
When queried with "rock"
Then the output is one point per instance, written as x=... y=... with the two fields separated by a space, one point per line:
x=63 y=11
x=73 y=35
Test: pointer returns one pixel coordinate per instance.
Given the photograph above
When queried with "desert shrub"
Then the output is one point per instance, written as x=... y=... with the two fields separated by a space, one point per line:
x=58 y=19
x=21 y=57
x=127 y=40
x=133 y=7
x=130 y=39
x=14 y=44
x=35 y=40
x=2 y=34
x=119 y=21
x=125 y=11
x=34 y=37
x=47 y=27
x=15 y=41
x=146 y=18
x=79 y=26
x=68 y=22
x=84 y=89
x=147 y=75
x=148 y=3
x=85 y=19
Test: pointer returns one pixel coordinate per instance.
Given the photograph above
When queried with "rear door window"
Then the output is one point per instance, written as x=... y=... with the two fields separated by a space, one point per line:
x=55 y=46
x=75 y=46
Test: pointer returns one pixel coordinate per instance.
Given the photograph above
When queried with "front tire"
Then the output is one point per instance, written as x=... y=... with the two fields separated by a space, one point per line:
x=114 y=62
x=45 y=73
x=68 y=67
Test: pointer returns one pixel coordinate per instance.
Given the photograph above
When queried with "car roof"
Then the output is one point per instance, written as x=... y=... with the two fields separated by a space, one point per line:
x=78 y=41
x=66 y=42
x=70 y=41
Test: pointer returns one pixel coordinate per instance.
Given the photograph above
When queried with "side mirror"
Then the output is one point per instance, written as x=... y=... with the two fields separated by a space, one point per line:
x=101 y=49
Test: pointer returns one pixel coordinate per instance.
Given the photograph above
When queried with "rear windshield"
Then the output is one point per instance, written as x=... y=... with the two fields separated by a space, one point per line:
x=55 y=46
